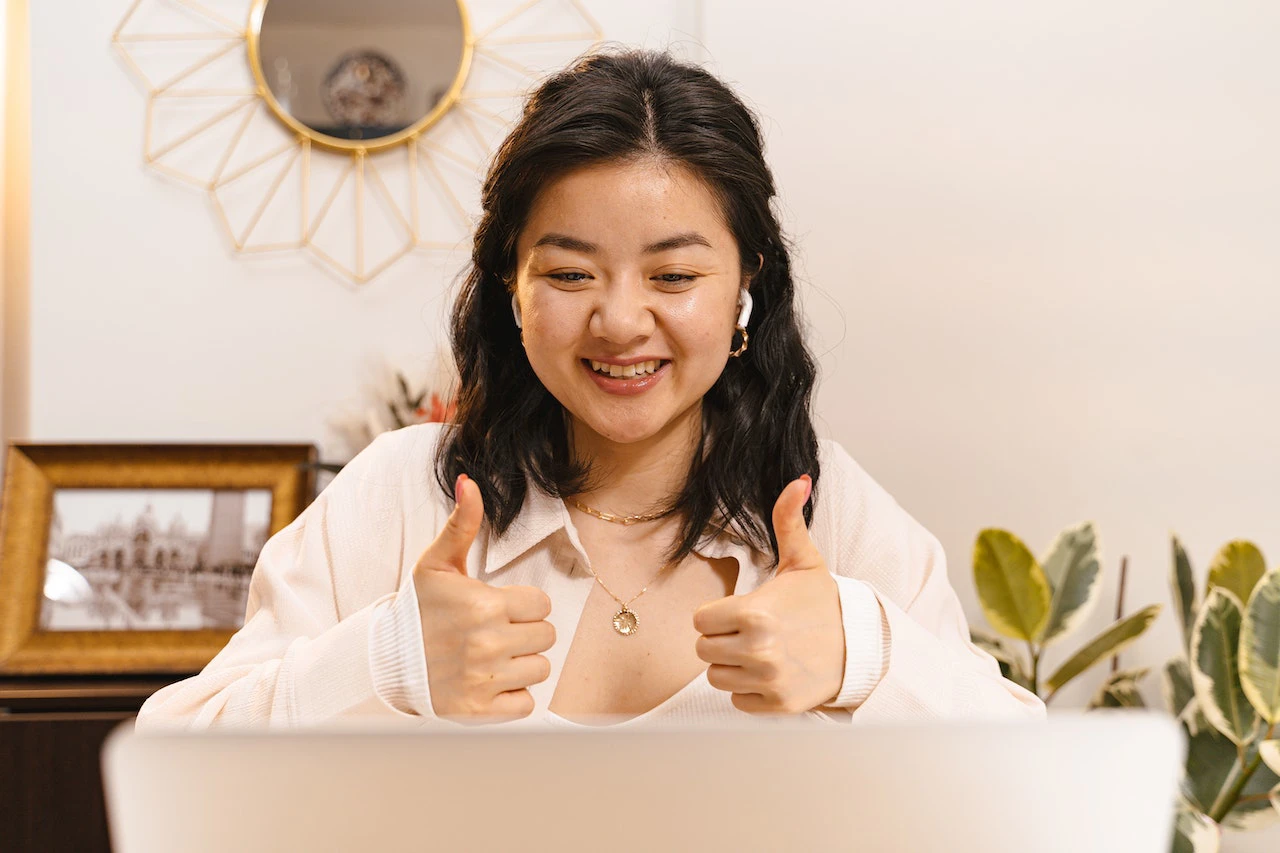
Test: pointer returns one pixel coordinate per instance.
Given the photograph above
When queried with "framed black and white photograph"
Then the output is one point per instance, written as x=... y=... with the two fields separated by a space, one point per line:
x=134 y=558
x=152 y=559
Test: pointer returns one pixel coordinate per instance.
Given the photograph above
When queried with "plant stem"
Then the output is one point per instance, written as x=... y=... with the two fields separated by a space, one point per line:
x=1035 y=667
x=1243 y=773
x=1124 y=572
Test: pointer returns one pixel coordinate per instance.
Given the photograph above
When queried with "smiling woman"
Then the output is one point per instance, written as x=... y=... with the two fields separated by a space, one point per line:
x=625 y=523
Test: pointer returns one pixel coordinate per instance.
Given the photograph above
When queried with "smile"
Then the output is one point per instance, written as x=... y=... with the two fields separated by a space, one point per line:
x=626 y=380
x=619 y=371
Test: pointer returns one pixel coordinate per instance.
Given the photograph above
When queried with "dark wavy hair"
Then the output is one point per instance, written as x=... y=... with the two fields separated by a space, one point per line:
x=617 y=106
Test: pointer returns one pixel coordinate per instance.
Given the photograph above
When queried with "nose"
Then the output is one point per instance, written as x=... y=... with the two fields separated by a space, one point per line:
x=623 y=313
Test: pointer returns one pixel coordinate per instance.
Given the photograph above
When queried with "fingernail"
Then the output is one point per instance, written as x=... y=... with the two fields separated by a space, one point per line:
x=457 y=484
x=808 y=486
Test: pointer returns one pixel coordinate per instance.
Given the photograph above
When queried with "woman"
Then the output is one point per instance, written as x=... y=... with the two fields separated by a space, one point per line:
x=632 y=518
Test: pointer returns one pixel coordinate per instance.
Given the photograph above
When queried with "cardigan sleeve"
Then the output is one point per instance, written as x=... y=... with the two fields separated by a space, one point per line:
x=326 y=635
x=924 y=666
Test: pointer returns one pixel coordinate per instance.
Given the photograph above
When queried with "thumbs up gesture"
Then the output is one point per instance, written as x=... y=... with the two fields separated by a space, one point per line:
x=779 y=649
x=482 y=642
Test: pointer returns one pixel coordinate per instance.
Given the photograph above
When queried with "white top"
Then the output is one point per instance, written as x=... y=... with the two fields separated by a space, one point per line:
x=333 y=631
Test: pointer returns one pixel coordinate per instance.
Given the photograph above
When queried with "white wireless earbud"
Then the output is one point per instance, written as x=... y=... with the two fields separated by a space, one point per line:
x=515 y=310
x=744 y=299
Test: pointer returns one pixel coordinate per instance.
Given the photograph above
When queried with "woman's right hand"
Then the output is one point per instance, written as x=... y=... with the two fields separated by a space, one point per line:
x=482 y=642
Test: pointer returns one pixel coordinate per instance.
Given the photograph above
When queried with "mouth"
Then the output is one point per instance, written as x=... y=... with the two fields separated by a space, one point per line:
x=626 y=371
x=626 y=379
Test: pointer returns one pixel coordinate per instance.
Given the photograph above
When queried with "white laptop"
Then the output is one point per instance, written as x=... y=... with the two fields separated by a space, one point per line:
x=1096 y=783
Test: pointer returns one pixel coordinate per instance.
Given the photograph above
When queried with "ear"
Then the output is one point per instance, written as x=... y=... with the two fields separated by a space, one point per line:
x=748 y=277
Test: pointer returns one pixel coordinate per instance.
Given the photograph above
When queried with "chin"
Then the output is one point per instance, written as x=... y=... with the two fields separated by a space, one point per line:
x=623 y=430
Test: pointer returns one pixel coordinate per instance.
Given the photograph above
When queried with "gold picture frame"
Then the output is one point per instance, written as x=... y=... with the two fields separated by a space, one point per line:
x=36 y=472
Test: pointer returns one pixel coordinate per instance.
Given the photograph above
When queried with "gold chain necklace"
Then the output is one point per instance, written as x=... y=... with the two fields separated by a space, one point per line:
x=616 y=519
x=625 y=621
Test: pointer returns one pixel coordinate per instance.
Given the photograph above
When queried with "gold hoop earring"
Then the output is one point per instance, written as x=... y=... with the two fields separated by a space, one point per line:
x=741 y=347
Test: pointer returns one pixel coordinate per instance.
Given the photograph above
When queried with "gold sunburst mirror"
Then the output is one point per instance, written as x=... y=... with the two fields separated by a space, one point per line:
x=355 y=129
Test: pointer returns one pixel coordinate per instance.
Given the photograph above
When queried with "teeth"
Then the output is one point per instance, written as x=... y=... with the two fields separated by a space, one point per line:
x=629 y=371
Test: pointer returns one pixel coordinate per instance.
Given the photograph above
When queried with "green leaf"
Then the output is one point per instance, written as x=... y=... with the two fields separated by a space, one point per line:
x=1260 y=648
x=1106 y=644
x=1184 y=592
x=1210 y=758
x=1194 y=832
x=1180 y=696
x=1215 y=673
x=1237 y=567
x=1270 y=752
x=1012 y=588
x=1120 y=690
x=1073 y=573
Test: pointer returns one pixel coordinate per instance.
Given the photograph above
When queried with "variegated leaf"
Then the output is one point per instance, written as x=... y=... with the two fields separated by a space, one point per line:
x=1184 y=592
x=1237 y=567
x=1210 y=760
x=1074 y=573
x=1008 y=661
x=1120 y=690
x=1193 y=832
x=1106 y=644
x=1012 y=588
x=1215 y=672
x=1180 y=696
x=1270 y=752
x=1260 y=648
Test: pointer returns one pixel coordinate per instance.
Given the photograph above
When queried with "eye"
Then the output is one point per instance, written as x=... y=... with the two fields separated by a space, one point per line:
x=675 y=278
x=569 y=277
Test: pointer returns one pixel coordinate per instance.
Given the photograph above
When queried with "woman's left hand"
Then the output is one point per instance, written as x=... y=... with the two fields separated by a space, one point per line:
x=779 y=649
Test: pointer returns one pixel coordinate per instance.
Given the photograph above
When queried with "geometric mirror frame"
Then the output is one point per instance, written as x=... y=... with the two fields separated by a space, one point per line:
x=356 y=130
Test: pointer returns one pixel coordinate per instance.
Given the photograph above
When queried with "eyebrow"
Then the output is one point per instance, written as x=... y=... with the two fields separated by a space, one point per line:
x=573 y=244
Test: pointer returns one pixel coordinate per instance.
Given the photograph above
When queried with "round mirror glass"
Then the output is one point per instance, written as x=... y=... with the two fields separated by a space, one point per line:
x=359 y=73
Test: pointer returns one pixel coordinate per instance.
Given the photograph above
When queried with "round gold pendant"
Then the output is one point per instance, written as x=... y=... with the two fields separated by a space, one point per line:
x=625 y=622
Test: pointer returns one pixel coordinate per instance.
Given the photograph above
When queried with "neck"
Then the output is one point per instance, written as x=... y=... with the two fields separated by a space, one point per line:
x=638 y=477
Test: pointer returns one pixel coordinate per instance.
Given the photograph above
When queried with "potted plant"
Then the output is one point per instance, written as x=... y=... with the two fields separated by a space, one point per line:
x=1038 y=603
x=1225 y=689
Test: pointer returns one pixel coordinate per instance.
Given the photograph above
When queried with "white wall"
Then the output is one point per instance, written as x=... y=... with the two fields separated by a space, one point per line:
x=145 y=325
x=1041 y=249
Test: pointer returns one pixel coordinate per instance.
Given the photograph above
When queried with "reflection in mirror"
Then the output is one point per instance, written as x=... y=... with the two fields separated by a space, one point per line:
x=360 y=69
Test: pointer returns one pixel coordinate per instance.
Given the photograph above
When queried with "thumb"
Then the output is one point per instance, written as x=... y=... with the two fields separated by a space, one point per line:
x=795 y=549
x=448 y=553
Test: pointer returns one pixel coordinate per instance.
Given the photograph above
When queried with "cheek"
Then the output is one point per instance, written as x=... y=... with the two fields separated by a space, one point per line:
x=552 y=326
x=702 y=326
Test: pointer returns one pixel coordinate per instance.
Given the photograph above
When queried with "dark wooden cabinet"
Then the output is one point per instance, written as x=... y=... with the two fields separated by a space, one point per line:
x=51 y=734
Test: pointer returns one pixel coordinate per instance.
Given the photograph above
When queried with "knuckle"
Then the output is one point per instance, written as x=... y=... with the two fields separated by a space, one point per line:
x=758 y=620
x=488 y=608
x=769 y=668
x=482 y=646
x=524 y=703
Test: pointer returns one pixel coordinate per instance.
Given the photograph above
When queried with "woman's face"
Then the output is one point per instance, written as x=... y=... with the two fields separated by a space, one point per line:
x=628 y=280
